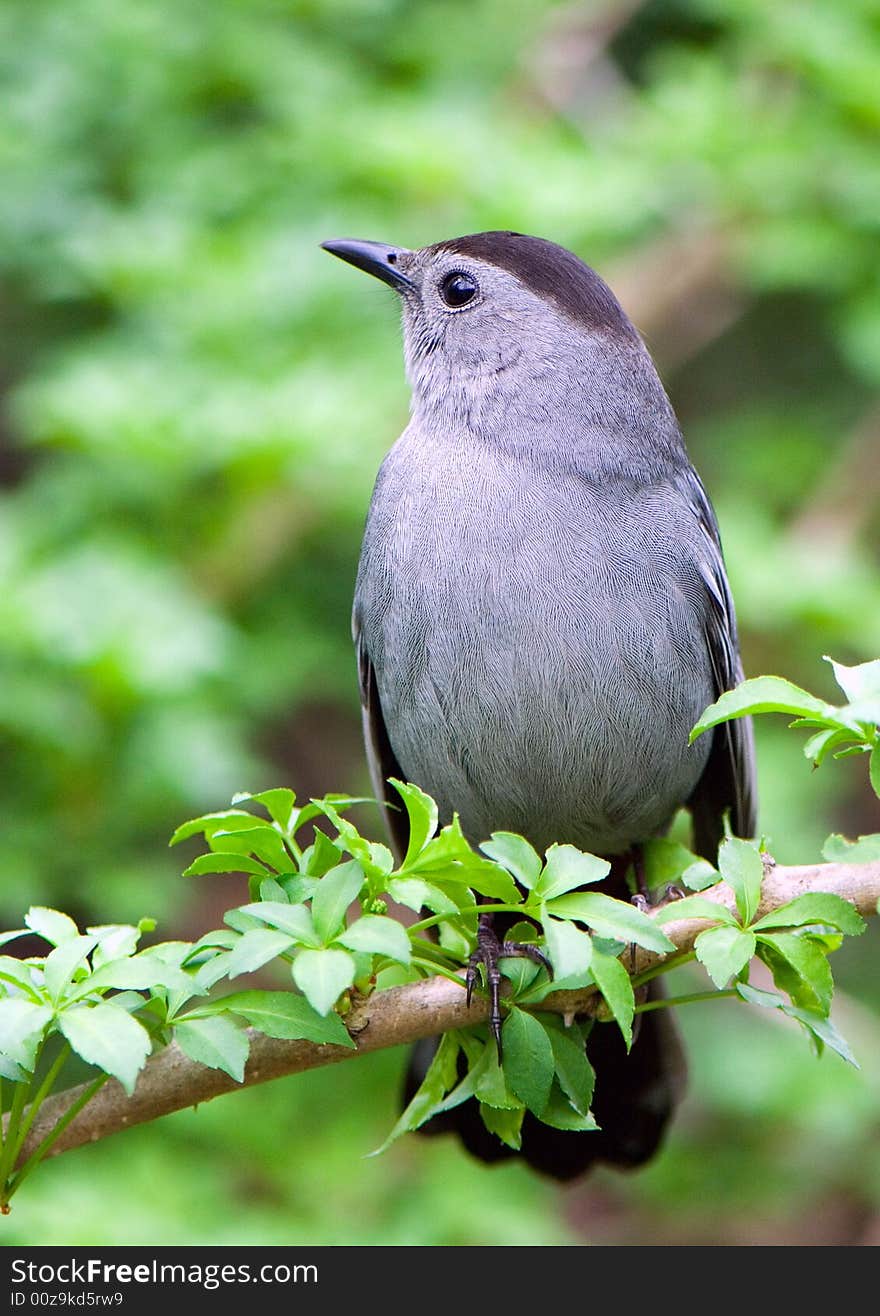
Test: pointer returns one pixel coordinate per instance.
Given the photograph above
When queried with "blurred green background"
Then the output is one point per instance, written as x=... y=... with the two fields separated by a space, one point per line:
x=195 y=401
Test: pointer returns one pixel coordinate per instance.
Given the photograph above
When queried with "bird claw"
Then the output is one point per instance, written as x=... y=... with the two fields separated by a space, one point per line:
x=646 y=900
x=490 y=949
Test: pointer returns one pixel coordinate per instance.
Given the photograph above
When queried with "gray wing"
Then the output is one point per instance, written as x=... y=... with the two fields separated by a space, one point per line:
x=728 y=781
x=381 y=758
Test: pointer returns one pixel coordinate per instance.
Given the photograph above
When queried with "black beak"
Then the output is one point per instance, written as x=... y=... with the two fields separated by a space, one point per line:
x=374 y=257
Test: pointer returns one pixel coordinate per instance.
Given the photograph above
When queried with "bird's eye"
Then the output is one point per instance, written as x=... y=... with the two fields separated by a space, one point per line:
x=458 y=288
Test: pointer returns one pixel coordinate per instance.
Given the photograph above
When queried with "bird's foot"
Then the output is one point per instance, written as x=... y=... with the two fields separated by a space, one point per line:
x=648 y=900
x=645 y=900
x=491 y=949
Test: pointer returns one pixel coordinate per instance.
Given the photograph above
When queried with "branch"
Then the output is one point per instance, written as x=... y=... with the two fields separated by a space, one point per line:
x=170 y=1081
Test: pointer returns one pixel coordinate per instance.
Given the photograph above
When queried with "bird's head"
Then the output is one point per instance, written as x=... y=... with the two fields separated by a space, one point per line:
x=502 y=329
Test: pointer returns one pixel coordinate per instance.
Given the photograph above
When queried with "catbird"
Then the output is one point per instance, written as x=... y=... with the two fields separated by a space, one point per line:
x=542 y=612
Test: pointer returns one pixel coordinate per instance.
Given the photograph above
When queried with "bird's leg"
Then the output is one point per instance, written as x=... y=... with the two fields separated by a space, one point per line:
x=641 y=897
x=490 y=949
x=645 y=901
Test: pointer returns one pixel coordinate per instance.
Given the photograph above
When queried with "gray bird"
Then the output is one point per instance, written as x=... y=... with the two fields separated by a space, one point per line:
x=542 y=611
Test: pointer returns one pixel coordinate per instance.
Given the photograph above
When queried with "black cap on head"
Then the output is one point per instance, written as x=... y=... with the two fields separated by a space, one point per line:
x=549 y=271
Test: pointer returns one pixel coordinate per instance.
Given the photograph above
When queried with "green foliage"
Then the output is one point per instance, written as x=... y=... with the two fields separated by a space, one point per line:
x=320 y=911
x=851 y=728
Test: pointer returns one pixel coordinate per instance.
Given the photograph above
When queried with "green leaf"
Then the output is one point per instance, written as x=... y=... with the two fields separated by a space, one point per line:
x=63 y=962
x=442 y=1073
x=823 y=742
x=569 y=949
x=528 y=1059
x=487 y=879
x=455 y=940
x=449 y=846
x=334 y=893
x=694 y=907
x=262 y=841
x=382 y=859
x=574 y=1072
x=271 y=889
x=506 y=1124
x=287 y=1015
x=21 y=1029
x=349 y=838
x=323 y=975
x=378 y=935
x=21 y=974
x=220 y=862
x=860 y=682
x=449 y=858
x=699 y=875
x=488 y=1081
x=13 y=1072
x=874 y=768
x=332 y=806
x=209 y=823
x=611 y=918
x=415 y=893
x=614 y=983
x=788 y=979
x=724 y=952
x=568 y=869
x=809 y=963
x=665 y=861
x=515 y=854
x=482 y=1068
x=216 y=1041
x=216 y=939
x=255 y=948
x=422 y=814
x=278 y=803
x=757 y=996
x=143 y=971
x=866 y=850
x=106 y=1036
x=115 y=941
x=560 y=1114
x=210 y=971
x=822 y=1030
x=815 y=907
x=762 y=694
x=321 y=856
x=298 y=888
x=742 y=869
x=295 y=920
x=51 y=924
x=520 y=973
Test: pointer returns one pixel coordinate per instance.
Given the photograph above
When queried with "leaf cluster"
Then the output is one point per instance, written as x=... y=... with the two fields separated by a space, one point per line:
x=840 y=730
x=98 y=996
x=319 y=913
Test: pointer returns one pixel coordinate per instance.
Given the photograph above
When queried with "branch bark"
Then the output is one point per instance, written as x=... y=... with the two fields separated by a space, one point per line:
x=170 y=1081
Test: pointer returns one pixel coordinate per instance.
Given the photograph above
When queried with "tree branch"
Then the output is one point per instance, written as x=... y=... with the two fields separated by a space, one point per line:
x=170 y=1081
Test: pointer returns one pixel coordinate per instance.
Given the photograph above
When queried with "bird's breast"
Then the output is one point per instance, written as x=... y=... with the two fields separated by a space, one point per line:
x=538 y=657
